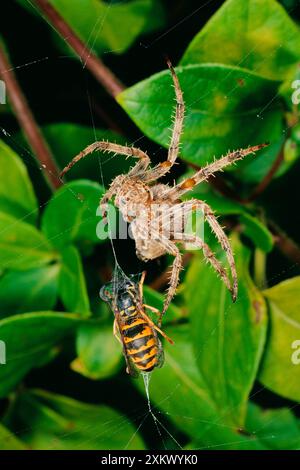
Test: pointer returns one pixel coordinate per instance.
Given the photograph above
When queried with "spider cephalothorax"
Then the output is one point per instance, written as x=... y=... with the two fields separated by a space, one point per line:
x=156 y=213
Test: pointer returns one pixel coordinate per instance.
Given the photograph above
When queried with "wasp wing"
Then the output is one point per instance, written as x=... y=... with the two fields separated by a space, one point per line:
x=160 y=352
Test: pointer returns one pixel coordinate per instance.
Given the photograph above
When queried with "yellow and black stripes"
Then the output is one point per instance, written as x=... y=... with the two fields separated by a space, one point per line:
x=140 y=342
x=141 y=346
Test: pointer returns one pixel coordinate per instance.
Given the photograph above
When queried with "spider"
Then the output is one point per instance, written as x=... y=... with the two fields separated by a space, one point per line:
x=149 y=206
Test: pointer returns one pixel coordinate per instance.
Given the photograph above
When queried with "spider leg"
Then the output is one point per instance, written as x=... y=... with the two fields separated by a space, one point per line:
x=174 y=278
x=178 y=214
x=114 y=148
x=204 y=173
x=153 y=309
x=164 y=167
x=208 y=254
x=105 y=199
x=192 y=205
x=169 y=247
x=224 y=242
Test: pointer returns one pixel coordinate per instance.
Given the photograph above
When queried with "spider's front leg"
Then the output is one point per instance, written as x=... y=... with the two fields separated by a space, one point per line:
x=170 y=248
x=164 y=167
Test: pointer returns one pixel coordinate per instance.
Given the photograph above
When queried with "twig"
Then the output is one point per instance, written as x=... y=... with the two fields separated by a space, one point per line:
x=102 y=73
x=27 y=122
x=285 y=244
x=219 y=184
x=222 y=187
x=106 y=118
x=267 y=179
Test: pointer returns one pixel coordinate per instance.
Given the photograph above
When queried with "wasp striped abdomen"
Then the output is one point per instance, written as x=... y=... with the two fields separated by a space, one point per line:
x=132 y=327
x=141 y=342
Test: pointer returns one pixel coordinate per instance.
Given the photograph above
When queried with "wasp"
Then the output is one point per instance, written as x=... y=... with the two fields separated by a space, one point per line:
x=133 y=328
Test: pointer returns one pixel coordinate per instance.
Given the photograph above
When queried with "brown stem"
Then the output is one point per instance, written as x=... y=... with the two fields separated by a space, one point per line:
x=106 y=118
x=222 y=187
x=107 y=79
x=27 y=122
x=267 y=179
x=219 y=184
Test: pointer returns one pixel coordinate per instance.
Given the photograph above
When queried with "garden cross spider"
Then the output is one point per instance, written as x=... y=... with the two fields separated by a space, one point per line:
x=149 y=207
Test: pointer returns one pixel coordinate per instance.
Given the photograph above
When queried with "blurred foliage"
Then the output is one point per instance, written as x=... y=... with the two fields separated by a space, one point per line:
x=107 y=26
x=235 y=370
x=62 y=423
x=229 y=382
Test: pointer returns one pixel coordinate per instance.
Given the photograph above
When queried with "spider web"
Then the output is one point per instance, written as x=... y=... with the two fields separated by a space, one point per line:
x=140 y=416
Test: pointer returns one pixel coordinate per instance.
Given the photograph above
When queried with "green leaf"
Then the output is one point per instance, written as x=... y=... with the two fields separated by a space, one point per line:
x=280 y=369
x=17 y=197
x=99 y=353
x=8 y=441
x=178 y=388
x=22 y=246
x=70 y=216
x=264 y=430
x=291 y=150
x=28 y=291
x=252 y=171
x=103 y=26
x=226 y=107
x=277 y=429
x=67 y=140
x=72 y=286
x=254 y=34
x=29 y=338
x=252 y=227
x=257 y=232
x=228 y=366
x=62 y=423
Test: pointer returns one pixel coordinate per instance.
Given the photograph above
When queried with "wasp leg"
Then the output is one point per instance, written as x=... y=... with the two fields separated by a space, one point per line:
x=141 y=283
x=116 y=332
x=152 y=309
x=151 y=323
